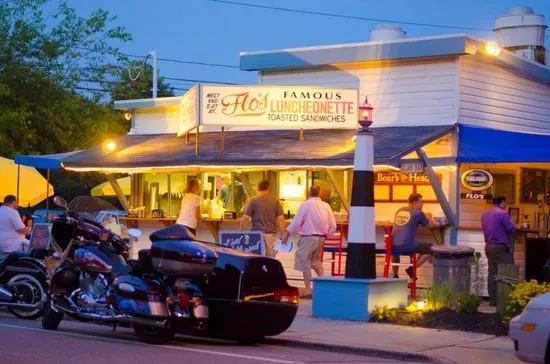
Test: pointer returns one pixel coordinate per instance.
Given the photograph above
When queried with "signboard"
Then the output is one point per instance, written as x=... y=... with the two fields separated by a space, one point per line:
x=188 y=113
x=285 y=107
x=247 y=241
x=41 y=236
x=477 y=179
x=410 y=167
x=476 y=196
x=399 y=177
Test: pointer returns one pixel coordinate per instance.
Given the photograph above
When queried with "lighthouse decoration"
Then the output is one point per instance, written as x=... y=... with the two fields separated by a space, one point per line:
x=361 y=257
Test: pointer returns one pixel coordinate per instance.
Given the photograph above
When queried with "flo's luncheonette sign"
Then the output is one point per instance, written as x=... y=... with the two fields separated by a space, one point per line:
x=282 y=107
x=477 y=179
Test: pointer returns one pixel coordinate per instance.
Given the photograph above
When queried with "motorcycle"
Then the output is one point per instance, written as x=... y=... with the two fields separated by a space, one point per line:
x=23 y=283
x=93 y=282
x=179 y=284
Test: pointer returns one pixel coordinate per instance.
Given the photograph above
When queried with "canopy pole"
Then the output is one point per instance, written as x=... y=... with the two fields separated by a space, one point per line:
x=445 y=205
x=47 y=192
x=118 y=191
x=223 y=141
x=339 y=192
x=18 y=180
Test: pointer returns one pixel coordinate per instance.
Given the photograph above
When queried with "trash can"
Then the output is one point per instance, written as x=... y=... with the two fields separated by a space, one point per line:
x=453 y=264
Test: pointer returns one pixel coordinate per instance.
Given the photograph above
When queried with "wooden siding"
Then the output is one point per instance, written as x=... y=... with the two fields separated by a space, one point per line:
x=496 y=97
x=157 y=121
x=417 y=92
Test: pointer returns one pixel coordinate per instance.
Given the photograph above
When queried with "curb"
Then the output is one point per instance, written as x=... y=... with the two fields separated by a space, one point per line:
x=346 y=349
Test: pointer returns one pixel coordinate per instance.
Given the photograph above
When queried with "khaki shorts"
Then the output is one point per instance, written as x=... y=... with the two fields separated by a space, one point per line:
x=308 y=254
x=269 y=244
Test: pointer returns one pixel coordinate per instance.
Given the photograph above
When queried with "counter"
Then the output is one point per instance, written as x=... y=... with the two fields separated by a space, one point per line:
x=531 y=253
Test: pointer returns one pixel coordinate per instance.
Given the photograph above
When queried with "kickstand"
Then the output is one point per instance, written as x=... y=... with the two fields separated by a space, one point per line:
x=114 y=326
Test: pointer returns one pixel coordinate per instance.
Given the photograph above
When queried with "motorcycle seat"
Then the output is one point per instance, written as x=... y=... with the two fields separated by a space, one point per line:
x=10 y=258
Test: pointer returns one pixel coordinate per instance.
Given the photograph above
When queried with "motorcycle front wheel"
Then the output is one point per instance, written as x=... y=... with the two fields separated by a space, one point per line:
x=26 y=290
x=154 y=335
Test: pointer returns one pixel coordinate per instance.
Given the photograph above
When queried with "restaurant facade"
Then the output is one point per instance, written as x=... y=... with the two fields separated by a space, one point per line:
x=453 y=120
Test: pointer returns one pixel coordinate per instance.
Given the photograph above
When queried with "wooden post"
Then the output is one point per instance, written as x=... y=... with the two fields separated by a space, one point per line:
x=118 y=191
x=197 y=140
x=503 y=288
x=445 y=206
x=301 y=135
x=339 y=192
x=223 y=140
x=187 y=138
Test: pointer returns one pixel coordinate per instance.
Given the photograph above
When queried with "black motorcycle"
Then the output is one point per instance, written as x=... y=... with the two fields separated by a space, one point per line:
x=179 y=284
x=94 y=282
x=23 y=283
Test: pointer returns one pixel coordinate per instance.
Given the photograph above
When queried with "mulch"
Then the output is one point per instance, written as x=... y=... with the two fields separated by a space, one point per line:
x=482 y=323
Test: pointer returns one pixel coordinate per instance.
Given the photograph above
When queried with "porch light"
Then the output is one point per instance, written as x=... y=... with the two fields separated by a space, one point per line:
x=128 y=116
x=365 y=114
x=109 y=146
x=492 y=49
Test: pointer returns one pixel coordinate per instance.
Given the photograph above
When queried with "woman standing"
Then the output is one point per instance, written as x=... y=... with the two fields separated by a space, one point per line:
x=190 y=212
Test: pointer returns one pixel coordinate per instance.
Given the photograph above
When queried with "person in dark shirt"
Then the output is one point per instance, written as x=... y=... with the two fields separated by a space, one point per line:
x=497 y=229
x=404 y=242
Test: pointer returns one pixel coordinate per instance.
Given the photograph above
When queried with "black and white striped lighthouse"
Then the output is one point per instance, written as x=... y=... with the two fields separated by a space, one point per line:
x=361 y=255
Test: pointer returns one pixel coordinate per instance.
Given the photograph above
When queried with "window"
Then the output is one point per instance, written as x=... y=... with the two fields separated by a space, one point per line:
x=504 y=185
x=392 y=186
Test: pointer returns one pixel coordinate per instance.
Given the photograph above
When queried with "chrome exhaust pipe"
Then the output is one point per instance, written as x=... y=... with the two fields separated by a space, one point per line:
x=116 y=318
x=5 y=295
x=22 y=305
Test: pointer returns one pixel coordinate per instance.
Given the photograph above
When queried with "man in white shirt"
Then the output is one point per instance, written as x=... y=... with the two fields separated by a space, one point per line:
x=12 y=229
x=314 y=221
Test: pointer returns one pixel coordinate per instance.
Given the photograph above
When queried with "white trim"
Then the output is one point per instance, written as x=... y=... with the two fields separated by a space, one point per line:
x=345 y=45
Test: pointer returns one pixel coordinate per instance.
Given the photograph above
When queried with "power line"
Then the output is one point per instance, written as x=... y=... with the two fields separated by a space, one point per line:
x=349 y=17
x=199 y=81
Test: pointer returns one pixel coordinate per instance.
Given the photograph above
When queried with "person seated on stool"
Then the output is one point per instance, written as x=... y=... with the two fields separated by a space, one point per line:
x=403 y=235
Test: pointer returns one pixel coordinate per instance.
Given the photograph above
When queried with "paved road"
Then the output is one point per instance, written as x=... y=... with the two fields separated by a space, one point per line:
x=25 y=342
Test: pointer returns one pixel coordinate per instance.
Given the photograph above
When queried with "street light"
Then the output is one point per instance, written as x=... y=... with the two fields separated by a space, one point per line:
x=361 y=251
x=365 y=110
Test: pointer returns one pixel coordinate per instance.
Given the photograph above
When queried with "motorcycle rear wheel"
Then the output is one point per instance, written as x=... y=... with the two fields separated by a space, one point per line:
x=51 y=319
x=154 y=335
x=31 y=291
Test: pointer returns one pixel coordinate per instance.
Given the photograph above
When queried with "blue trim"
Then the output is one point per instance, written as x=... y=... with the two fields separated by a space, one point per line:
x=352 y=299
x=485 y=145
x=359 y=52
x=48 y=161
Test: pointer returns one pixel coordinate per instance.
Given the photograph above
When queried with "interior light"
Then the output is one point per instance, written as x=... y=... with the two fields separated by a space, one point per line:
x=492 y=49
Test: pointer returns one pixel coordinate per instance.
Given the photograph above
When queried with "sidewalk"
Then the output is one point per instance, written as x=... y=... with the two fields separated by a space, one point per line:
x=400 y=342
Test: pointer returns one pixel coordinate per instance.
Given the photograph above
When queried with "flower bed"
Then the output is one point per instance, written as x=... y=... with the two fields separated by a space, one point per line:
x=447 y=319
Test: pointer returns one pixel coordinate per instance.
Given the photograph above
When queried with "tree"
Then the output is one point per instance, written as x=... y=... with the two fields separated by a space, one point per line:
x=42 y=67
x=135 y=81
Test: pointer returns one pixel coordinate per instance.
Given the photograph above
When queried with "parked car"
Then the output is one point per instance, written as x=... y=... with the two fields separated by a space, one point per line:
x=531 y=331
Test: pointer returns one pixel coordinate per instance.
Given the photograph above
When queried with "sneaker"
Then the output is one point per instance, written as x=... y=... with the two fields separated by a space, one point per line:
x=410 y=272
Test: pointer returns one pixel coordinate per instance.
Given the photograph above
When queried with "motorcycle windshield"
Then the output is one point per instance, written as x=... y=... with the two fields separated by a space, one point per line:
x=89 y=207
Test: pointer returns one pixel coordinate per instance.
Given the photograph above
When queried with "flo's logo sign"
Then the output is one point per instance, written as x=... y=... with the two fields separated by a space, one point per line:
x=477 y=179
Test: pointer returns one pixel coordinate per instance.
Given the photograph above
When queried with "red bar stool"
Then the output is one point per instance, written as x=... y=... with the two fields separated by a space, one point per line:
x=395 y=253
x=333 y=245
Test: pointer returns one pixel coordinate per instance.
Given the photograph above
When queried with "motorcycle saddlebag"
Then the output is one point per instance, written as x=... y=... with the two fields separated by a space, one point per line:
x=138 y=296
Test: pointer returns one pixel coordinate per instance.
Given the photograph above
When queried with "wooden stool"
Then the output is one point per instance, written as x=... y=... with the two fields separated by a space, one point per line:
x=395 y=253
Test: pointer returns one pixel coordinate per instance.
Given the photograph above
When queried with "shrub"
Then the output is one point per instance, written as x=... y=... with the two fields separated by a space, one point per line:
x=440 y=297
x=520 y=296
x=467 y=303
x=383 y=313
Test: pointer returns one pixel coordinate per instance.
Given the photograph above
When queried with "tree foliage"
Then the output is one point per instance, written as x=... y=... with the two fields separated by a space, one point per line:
x=42 y=64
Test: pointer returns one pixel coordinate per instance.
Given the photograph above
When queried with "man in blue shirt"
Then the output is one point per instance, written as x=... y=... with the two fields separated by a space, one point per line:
x=404 y=242
x=497 y=229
